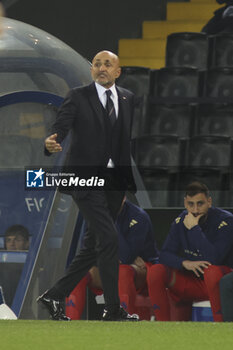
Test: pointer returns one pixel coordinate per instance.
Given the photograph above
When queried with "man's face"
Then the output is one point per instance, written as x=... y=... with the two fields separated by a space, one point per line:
x=198 y=204
x=105 y=68
x=16 y=242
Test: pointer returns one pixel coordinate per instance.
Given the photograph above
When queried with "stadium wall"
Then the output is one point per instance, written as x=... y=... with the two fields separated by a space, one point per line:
x=89 y=26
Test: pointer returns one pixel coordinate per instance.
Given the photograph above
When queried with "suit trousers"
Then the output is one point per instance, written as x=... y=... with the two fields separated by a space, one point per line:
x=100 y=210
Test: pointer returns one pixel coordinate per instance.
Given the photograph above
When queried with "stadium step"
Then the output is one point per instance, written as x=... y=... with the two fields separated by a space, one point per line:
x=161 y=29
x=142 y=48
x=153 y=63
x=181 y=17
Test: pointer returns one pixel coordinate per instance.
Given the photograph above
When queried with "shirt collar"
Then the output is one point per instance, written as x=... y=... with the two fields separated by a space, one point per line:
x=101 y=90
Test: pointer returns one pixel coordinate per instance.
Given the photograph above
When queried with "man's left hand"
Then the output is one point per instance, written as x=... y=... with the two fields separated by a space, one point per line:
x=139 y=267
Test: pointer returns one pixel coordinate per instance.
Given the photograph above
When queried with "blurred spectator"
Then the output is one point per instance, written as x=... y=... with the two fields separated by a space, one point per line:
x=222 y=21
x=17 y=238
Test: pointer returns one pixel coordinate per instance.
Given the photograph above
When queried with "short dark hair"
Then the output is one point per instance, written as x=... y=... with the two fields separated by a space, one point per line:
x=17 y=230
x=196 y=187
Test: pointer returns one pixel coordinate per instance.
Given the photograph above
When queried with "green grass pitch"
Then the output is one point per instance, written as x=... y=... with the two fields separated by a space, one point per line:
x=97 y=335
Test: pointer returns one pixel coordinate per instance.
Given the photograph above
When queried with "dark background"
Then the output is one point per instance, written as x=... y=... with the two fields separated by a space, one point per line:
x=88 y=26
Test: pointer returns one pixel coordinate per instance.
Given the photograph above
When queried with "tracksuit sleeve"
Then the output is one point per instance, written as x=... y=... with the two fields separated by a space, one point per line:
x=170 y=250
x=125 y=252
x=139 y=241
x=214 y=251
x=149 y=251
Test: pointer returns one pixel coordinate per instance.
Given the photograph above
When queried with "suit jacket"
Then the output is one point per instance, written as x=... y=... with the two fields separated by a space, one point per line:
x=83 y=114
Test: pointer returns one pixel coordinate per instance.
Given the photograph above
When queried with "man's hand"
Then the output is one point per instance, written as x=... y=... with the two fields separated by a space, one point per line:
x=198 y=267
x=139 y=267
x=51 y=144
x=139 y=262
x=190 y=220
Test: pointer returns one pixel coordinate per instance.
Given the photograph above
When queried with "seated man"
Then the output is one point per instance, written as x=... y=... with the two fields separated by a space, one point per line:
x=16 y=238
x=226 y=293
x=137 y=250
x=196 y=254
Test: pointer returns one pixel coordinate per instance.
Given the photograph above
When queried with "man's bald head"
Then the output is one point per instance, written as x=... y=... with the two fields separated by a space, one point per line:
x=110 y=54
x=105 y=68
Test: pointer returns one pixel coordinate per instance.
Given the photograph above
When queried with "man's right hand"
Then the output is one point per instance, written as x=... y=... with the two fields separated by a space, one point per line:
x=51 y=144
x=197 y=267
x=190 y=220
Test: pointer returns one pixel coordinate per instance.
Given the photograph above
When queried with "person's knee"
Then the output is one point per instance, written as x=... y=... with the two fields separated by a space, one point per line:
x=94 y=278
x=157 y=274
x=212 y=274
x=212 y=270
x=126 y=272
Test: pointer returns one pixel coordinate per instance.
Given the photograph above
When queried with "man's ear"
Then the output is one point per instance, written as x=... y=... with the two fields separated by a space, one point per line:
x=118 y=72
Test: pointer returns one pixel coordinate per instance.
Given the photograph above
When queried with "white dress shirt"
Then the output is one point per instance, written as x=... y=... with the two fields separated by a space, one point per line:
x=103 y=99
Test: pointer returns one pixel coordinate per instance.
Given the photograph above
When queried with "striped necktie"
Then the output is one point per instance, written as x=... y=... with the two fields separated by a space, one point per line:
x=110 y=107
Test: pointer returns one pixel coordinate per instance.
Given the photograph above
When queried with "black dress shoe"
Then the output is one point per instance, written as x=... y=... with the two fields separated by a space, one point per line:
x=54 y=307
x=119 y=315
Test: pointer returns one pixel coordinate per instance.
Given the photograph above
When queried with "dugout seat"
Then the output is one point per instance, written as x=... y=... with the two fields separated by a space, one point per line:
x=187 y=49
x=210 y=151
x=170 y=119
x=214 y=119
x=176 y=82
x=157 y=151
x=137 y=80
x=218 y=83
x=221 y=50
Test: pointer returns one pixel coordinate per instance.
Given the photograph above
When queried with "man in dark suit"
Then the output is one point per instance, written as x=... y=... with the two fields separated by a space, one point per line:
x=100 y=117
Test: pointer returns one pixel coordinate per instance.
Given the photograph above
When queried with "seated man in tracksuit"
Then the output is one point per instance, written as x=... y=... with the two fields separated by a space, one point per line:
x=137 y=250
x=196 y=254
